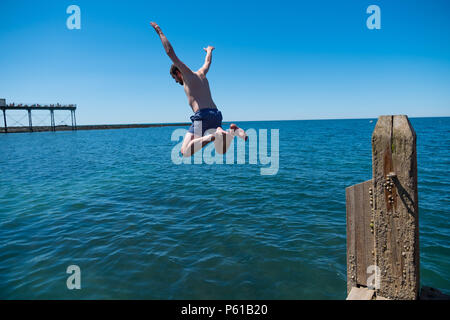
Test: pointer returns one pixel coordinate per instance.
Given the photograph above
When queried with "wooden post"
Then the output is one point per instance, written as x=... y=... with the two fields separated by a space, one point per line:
x=382 y=215
x=396 y=223
x=360 y=243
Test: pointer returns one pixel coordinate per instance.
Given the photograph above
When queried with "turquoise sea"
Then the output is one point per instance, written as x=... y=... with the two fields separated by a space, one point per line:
x=140 y=226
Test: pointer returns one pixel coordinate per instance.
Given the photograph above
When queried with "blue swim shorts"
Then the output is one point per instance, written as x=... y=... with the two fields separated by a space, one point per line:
x=206 y=119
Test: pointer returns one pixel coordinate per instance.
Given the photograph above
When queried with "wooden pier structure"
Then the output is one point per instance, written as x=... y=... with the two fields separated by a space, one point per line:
x=383 y=261
x=36 y=107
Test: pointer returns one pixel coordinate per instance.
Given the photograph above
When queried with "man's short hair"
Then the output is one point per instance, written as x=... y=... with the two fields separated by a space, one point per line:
x=173 y=70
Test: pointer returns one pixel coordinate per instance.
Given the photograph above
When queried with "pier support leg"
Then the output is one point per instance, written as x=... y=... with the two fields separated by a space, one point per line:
x=75 y=119
x=4 y=119
x=52 y=119
x=30 y=124
x=72 y=117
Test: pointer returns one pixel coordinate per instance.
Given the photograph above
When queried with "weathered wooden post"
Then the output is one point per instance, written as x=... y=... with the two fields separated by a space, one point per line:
x=360 y=240
x=394 y=161
x=383 y=217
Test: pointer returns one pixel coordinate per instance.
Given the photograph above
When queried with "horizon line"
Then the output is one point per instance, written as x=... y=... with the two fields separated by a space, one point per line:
x=228 y=121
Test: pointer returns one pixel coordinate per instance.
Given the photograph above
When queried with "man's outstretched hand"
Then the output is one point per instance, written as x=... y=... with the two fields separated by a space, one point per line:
x=209 y=49
x=156 y=27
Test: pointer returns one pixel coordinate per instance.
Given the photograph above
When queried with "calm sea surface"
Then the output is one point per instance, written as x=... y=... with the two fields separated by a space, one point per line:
x=139 y=226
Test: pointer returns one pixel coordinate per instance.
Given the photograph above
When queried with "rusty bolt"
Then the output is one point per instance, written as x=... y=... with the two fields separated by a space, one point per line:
x=391 y=175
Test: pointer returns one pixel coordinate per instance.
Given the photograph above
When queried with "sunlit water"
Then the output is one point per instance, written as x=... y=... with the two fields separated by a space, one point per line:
x=139 y=226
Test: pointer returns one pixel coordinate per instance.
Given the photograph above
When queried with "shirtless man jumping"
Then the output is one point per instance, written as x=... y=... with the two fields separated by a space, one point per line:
x=206 y=115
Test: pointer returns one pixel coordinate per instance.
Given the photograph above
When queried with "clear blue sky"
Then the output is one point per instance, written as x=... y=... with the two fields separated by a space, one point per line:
x=273 y=59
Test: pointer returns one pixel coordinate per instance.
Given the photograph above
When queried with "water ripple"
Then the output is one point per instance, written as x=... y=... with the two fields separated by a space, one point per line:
x=139 y=226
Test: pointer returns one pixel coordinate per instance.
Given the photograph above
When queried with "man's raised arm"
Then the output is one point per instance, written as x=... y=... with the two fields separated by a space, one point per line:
x=169 y=50
x=204 y=69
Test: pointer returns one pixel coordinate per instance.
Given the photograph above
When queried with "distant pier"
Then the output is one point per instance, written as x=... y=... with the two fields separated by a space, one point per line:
x=92 y=127
x=35 y=107
x=53 y=127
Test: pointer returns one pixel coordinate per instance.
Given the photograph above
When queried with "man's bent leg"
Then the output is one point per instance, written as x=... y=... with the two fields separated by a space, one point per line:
x=192 y=143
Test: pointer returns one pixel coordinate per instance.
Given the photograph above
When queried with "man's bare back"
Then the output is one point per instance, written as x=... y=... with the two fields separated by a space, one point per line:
x=196 y=87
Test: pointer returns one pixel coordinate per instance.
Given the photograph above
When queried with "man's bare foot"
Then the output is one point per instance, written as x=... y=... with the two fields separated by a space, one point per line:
x=236 y=131
x=220 y=132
